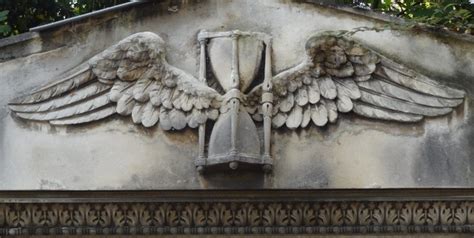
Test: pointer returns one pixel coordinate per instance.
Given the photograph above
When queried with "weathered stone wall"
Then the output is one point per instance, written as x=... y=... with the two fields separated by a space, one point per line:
x=116 y=154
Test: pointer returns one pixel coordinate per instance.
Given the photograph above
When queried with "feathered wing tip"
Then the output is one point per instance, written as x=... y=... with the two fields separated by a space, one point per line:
x=76 y=95
x=340 y=76
x=398 y=93
x=73 y=79
x=130 y=78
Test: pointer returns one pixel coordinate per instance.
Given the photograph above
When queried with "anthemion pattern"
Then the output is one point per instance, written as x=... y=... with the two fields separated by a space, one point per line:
x=266 y=215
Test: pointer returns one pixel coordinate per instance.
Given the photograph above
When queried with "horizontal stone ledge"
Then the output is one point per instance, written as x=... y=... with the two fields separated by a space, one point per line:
x=392 y=194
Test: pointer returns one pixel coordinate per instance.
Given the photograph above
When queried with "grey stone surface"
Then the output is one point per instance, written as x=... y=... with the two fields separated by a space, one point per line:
x=353 y=153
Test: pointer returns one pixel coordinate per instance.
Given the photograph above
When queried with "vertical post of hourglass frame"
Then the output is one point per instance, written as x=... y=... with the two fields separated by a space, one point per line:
x=201 y=160
x=235 y=103
x=267 y=104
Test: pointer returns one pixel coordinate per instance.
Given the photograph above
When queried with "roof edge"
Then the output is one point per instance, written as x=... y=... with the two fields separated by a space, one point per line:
x=34 y=31
x=87 y=15
x=390 y=19
x=11 y=40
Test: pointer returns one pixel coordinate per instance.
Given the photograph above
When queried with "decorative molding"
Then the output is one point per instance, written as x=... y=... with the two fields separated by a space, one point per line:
x=242 y=212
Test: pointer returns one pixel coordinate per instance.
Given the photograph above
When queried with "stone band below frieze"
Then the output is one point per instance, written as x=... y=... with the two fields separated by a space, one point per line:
x=237 y=212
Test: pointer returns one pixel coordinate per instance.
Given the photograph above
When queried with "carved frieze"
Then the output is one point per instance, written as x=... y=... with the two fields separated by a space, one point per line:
x=298 y=215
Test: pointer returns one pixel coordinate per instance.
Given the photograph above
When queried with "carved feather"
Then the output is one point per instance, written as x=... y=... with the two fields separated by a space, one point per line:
x=178 y=99
x=331 y=108
x=150 y=115
x=62 y=101
x=347 y=87
x=119 y=89
x=64 y=85
x=195 y=118
x=165 y=121
x=166 y=95
x=141 y=89
x=400 y=105
x=155 y=94
x=363 y=69
x=201 y=102
x=286 y=104
x=94 y=115
x=327 y=87
x=186 y=103
x=313 y=92
x=344 y=103
x=383 y=114
x=408 y=78
x=76 y=109
x=137 y=113
x=178 y=119
x=301 y=96
x=125 y=104
x=295 y=117
x=319 y=115
x=279 y=120
x=306 y=116
x=397 y=91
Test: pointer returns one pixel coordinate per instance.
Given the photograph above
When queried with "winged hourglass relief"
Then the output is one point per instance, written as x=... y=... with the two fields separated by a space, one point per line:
x=337 y=75
x=340 y=75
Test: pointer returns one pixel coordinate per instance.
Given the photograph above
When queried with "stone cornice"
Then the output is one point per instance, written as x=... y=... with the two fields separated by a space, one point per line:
x=237 y=212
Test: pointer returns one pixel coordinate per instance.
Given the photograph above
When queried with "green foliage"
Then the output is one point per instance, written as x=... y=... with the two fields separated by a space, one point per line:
x=24 y=14
x=4 y=27
x=17 y=16
x=455 y=15
x=84 y=6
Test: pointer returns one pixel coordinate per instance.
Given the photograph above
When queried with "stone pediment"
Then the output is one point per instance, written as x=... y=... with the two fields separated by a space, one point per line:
x=210 y=93
x=235 y=117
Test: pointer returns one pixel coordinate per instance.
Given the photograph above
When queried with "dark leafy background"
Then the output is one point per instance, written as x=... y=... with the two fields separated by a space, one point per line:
x=454 y=15
x=17 y=16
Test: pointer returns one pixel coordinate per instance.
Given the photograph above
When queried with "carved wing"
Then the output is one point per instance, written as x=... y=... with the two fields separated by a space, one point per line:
x=340 y=76
x=131 y=77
